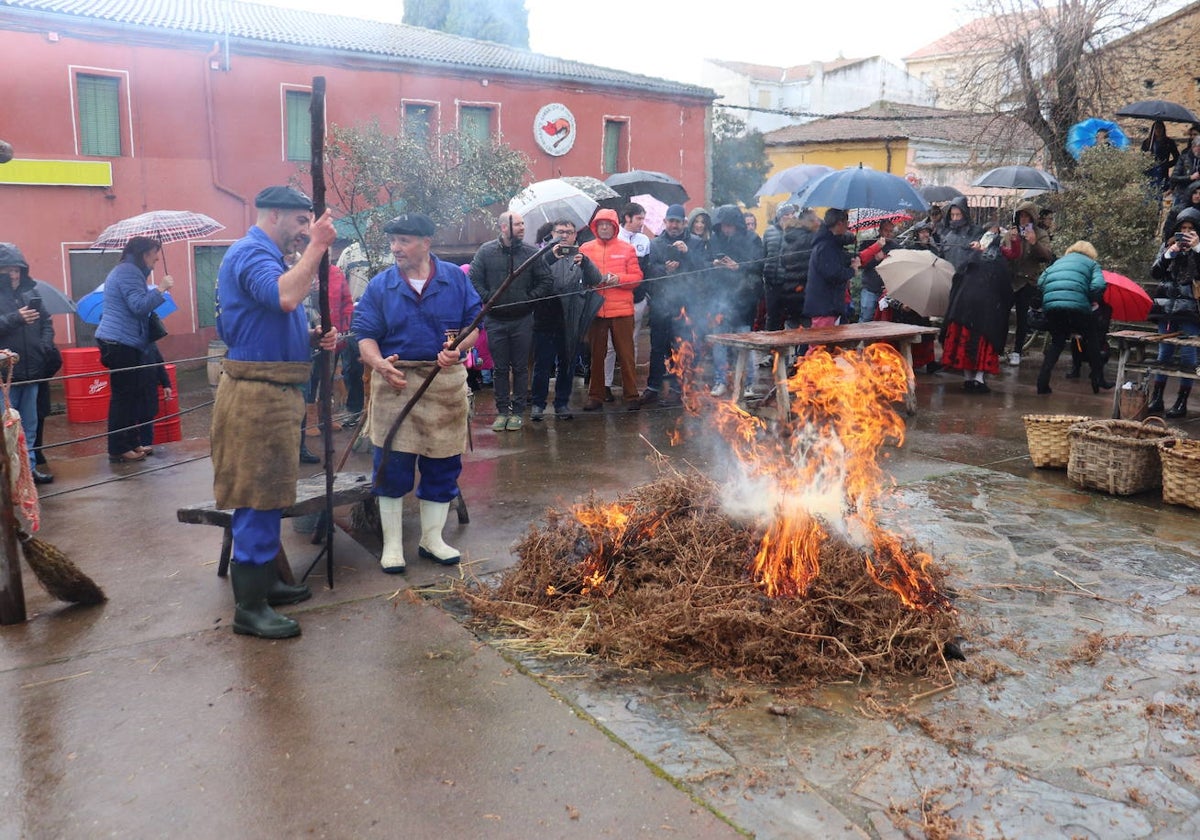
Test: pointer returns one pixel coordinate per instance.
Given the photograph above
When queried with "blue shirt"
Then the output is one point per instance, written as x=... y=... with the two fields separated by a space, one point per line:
x=411 y=326
x=249 y=318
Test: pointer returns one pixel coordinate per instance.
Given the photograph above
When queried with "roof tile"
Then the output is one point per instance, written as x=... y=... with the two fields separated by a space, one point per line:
x=386 y=41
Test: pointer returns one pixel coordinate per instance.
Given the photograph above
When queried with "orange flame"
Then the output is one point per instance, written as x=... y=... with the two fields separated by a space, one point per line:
x=821 y=472
x=612 y=531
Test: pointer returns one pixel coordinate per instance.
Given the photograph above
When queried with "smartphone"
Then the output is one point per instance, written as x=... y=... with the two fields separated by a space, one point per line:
x=568 y=250
x=718 y=256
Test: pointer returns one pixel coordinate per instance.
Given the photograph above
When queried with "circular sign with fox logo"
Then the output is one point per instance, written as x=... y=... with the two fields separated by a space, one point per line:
x=554 y=129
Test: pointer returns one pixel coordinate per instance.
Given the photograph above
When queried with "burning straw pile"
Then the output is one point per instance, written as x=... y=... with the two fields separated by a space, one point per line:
x=667 y=578
x=670 y=589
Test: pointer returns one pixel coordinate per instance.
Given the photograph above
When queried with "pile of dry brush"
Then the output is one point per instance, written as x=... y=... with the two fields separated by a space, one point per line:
x=680 y=599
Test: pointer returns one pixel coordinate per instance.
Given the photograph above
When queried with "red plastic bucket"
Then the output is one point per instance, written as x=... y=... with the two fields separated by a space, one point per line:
x=87 y=385
x=170 y=429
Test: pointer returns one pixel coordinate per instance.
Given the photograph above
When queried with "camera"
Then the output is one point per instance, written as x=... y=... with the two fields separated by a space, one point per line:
x=1181 y=237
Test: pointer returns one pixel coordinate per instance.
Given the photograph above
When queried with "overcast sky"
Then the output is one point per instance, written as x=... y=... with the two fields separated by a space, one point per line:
x=669 y=38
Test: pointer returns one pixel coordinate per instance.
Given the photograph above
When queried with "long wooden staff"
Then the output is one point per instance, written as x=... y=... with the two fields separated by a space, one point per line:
x=325 y=357
x=462 y=335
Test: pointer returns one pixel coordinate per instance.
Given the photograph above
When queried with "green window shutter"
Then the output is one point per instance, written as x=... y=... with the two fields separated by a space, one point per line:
x=208 y=261
x=299 y=125
x=99 y=115
x=418 y=122
x=476 y=123
x=612 y=146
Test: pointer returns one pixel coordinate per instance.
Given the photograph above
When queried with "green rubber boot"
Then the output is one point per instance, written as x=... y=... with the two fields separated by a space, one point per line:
x=281 y=594
x=252 y=615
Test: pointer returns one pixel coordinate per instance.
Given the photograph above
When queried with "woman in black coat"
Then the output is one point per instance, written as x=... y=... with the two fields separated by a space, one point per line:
x=1177 y=268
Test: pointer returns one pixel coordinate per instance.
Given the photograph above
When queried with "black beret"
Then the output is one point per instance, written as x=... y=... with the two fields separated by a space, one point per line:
x=411 y=224
x=282 y=198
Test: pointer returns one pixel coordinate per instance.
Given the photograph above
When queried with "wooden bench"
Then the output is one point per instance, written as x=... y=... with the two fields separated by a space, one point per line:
x=1132 y=347
x=348 y=488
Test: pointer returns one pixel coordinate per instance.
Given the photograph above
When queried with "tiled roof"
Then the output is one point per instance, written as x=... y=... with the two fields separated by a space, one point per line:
x=979 y=34
x=795 y=73
x=315 y=30
x=890 y=120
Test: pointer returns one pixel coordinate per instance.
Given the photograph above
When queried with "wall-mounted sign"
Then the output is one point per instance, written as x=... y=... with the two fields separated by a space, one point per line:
x=554 y=129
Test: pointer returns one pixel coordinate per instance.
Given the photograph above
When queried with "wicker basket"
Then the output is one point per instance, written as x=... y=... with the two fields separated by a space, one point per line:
x=1047 y=435
x=1118 y=456
x=1181 y=472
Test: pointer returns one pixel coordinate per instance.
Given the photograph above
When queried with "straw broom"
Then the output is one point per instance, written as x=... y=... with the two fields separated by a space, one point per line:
x=53 y=569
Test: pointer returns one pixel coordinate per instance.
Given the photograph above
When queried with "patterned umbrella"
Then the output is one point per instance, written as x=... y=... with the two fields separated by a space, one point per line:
x=163 y=225
x=864 y=218
x=596 y=190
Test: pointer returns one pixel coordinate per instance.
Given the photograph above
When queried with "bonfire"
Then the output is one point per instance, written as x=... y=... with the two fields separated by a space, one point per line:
x=782 y=572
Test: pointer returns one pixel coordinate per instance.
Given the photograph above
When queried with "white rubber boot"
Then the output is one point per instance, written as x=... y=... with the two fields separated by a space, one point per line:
x=432 y=546
x=392 y=559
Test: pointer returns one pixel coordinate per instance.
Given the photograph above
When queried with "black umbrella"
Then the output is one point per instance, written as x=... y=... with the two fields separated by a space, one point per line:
x=644 y=182
x=936 y=192
x=579 y=308
x=56 y=302
x=1157 y=109
x=1017 y=178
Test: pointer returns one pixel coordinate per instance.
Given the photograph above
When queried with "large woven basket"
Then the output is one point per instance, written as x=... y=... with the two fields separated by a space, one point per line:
x=1047 y=435
x=1181 y=472
x=1118 y=456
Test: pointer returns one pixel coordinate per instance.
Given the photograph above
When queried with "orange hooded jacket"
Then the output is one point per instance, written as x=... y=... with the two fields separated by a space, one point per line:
x=614 y=257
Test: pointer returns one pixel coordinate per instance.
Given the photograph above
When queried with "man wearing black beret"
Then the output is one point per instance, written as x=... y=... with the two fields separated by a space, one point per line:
x=256 y=418
x=406 y=321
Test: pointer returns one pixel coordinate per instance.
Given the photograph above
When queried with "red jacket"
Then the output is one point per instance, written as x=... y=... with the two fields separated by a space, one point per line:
x=614 y=256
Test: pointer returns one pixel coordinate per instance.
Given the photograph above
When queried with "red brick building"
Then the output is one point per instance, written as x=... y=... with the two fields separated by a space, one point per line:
x=115 y=108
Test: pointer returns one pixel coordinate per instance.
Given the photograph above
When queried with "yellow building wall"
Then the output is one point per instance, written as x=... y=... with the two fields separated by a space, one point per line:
x=873 y=154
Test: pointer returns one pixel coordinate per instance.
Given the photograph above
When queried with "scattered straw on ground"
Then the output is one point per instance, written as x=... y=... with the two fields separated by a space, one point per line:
x=680 y=599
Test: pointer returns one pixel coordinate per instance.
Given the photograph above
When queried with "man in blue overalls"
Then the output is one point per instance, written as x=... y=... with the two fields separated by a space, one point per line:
x=405 y=323
x=256 y=417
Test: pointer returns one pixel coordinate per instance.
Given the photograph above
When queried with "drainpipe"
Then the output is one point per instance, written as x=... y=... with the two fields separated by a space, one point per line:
x=210 y=112
x=887 y=147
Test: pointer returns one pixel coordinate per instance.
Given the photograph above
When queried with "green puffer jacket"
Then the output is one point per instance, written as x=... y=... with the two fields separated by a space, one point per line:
x=1073 y=281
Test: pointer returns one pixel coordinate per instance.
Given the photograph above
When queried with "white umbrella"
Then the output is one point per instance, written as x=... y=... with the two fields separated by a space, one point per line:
x=918 y=279
x=550 y=201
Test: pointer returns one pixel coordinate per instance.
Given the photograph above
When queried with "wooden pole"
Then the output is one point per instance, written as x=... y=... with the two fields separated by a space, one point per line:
x=12 y=591
x=325 y=357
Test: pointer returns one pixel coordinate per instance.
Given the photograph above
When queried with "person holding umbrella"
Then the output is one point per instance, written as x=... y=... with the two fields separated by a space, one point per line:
x=256 y=417
x=1177 y=268
x=1165 y=153
x=124 y=337
x=560 y=321
x=26 y=329
x=1186 y=171
x=1072 y=289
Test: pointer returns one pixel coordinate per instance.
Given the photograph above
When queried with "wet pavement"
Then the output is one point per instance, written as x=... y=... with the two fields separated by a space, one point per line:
x=1075 y=714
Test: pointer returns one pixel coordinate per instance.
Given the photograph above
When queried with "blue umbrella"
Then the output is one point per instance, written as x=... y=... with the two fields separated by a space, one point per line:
x=1083 y=135
x=91 y=306
x=862 y=187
